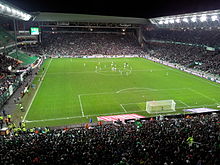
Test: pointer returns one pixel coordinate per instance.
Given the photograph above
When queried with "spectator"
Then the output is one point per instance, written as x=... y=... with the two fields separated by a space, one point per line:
x=157 y=142
x=75 y=44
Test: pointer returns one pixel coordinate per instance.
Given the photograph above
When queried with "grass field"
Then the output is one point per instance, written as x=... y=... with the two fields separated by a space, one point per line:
x=74 y=90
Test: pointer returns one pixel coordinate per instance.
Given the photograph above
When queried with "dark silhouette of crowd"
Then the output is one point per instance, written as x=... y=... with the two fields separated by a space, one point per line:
x=187 y=56
x=151 y=142
x=74 y=44
x=186 y=46
x=210 y=37
x=6 y=77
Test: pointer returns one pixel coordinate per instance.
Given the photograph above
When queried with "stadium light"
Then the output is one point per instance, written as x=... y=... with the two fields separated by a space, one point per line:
x=177 y=20
x=10 y=11
x=171 y=21
x=214 y=17
x=160 y=22
x=166 y=21
x=203 y=18
x=185 y=20
x=193 y=19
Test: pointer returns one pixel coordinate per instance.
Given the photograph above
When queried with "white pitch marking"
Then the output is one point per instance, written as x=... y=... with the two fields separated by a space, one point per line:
x=104 y=114
x=189 y=75
x=151 y=89
x=203 y=95
x=136 y=89
x=101 y=71
x=81 y=107
x=123 y=108
x=127 y=89
x=183 y=103
x=36 y=91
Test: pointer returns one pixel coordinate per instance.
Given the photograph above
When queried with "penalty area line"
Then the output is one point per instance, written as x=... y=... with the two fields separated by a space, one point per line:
x=123 y=107
x=115 y=113
x=183 y=103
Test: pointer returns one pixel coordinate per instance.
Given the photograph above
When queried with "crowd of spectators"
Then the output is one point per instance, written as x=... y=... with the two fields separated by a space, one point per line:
x=186 y=55
x=199 y=36
x=74 y=44
x=153 y=142
x=6 y=77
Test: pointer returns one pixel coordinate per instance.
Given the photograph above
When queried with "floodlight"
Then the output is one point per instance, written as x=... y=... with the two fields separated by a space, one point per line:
x=2 y=6
x=160 y=22
x=203 y=18
x=13 y=12
x=214 y=17
x=166 y=21
x=193 y=19
x=185 y=20
x=177 y=20
x=8 y=9
x=171 y=20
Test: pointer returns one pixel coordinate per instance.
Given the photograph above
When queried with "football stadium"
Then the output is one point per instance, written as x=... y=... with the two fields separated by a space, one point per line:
x=109 y=90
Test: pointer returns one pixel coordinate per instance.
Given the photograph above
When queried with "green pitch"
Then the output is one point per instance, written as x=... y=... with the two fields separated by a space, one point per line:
x=71 y=91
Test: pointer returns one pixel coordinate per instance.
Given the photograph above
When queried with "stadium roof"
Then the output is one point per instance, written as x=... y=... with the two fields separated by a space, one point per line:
x=67 y=17
x=200 y=17
x=9 y=10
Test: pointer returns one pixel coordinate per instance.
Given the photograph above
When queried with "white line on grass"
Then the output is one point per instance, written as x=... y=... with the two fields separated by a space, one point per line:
x=150 y=89
x=189 y=75
x=32 y=100
x=183 y=103
x=104 y=114
x=123 y=108
x=135 y=89
x=138 y=70
x=81 y=107
x=209 y=98
x=146 y=70
x=101 y=93
x=133 y=103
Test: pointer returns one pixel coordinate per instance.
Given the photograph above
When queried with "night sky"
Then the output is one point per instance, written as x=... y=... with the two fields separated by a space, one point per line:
x=129 y=8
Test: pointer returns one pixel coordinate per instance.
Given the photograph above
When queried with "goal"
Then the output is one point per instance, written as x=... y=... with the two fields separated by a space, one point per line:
x=161 y=106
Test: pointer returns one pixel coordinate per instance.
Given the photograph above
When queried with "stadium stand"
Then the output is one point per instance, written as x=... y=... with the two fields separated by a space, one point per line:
x=6 y=77
x=198 y=36
x=23 y=57
x=74 y=44
x=5 y=37
x=187 y=55
x=191 y=140
x=185 y=47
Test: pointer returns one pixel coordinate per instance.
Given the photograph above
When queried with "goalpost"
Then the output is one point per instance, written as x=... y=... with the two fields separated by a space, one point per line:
x=161 y=106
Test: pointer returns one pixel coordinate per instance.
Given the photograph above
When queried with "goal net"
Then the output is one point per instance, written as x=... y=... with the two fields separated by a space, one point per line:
x=161 y=106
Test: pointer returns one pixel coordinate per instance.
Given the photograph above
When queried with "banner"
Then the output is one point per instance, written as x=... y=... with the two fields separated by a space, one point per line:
x=10 y=90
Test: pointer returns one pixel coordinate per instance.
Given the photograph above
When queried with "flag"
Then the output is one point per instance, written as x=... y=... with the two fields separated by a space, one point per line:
x=190 y=140
x=138 y=124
